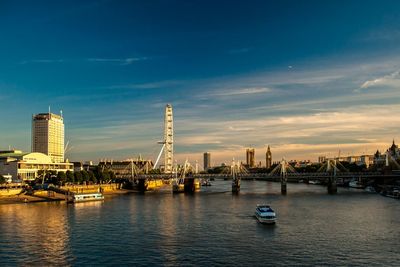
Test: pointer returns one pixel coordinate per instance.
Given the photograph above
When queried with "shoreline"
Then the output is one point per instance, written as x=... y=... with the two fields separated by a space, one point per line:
x=26 y=199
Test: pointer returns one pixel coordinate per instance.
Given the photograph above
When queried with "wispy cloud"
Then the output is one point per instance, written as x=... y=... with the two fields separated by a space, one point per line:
x=390 y=79
x=121 y=61
x=46 y=61
x=296 y=136
x=149 y=85
x=302 y=113
x=243 y=91
x=240 y=129
x=201 y=140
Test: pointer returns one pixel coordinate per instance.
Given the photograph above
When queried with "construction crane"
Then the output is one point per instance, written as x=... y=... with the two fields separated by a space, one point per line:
x=66 y=148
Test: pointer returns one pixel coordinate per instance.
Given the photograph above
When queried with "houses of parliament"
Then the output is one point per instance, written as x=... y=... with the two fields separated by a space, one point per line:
x=251 y=161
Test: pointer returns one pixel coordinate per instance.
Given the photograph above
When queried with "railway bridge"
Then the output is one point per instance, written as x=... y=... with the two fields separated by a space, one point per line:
x=325 y=178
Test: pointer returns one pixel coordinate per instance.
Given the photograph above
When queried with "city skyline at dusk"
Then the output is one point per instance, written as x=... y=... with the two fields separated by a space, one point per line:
x=307 y=79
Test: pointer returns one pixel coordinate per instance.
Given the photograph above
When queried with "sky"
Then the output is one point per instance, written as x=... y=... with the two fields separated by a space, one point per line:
x=307 y=78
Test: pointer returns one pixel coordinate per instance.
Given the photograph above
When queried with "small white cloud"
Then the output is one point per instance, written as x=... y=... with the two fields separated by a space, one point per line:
x=384 y=80
x=240 y=129
x=122 y=61
x=199 y=140
x=41 y=61
x=150 y=85
x=130 y=60
x=244 y=91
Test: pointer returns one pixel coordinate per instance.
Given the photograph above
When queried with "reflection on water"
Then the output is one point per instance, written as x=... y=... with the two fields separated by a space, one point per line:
x=39 y=231
x=84 y=206
x=212 y=227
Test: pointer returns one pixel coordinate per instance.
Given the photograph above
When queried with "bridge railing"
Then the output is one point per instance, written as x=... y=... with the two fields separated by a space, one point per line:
x=316 y=175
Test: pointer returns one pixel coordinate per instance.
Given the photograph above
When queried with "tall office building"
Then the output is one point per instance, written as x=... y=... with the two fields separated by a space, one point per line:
x=250 y=157
x=48 y=135
x=207 y=161
x=268 y=158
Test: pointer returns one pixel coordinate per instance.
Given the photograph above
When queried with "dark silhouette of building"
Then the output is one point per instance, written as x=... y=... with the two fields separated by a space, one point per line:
x=207 y=161
x=268 y=158
x=394 y=151
x=250 y=157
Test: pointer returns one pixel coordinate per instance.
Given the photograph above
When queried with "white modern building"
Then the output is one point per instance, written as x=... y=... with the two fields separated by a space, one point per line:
x=366 y=160
x=48 y=135
x=27 y=166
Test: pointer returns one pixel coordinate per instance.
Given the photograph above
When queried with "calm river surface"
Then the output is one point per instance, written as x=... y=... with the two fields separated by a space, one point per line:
x=209 y=228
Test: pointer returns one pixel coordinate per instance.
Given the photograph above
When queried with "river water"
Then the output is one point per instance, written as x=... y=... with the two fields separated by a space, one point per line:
x=210 y=228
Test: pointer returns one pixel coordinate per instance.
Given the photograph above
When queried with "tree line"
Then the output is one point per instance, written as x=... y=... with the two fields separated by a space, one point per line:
x=95 y=176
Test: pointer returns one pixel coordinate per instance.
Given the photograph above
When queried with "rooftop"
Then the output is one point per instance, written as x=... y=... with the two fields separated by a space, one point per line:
x=46 y=116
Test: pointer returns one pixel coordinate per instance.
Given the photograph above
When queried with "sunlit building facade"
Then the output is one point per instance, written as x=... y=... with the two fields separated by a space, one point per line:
x=250 y=158
x=29 y=166
x=268 y=158
x=48 y=135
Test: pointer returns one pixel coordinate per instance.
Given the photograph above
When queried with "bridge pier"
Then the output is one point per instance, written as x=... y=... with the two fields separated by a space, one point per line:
x=332 y=185
x=284 y=165
x=189 y=186
x=142 y=185
x=236 y=185
x=283 y=185
x=332 y=181
x=235 y=168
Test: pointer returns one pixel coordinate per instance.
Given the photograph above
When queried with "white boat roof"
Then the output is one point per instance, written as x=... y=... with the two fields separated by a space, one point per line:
x=89 y=194
x=264 y=208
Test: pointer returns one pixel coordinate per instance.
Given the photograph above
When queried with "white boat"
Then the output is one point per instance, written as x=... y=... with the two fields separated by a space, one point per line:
x=370 y=189
x=393 y=193
x=356 y=184
x=74 y=198
x=265 y=214
x=205 y=182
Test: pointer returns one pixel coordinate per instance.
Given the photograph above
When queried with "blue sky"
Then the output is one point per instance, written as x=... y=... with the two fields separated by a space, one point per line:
x=307 y=78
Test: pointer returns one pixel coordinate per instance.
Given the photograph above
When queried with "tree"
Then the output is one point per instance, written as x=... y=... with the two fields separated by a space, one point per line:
x=70 y=177
x=155 y=171
x=219 y=169
x=50 y=176
x=92 y=177
x=97 y=173
x=2 y=179
x=78 y=177
x=85 y=176
x=105 y=176
x=62 y=177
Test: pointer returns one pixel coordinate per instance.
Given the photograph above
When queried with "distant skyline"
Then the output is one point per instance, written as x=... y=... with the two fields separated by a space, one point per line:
x=308 y=78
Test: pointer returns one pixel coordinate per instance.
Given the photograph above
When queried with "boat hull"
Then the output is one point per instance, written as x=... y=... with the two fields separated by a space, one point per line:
x=77 y=198
x=178 y=188
x=265 y=220
x=11 y=191
x=356 y=184
x=265 y=214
